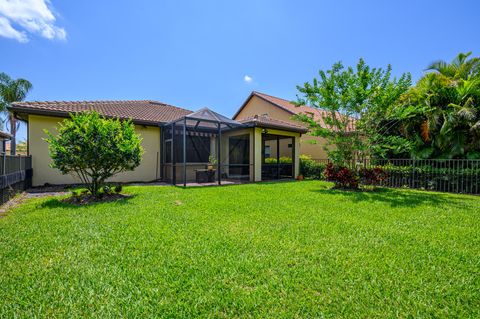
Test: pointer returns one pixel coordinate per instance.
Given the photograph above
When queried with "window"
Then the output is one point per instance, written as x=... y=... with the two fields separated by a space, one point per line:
x=268 y=151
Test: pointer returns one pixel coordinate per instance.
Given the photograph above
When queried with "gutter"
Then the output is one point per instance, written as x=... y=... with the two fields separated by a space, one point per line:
x=53 y=113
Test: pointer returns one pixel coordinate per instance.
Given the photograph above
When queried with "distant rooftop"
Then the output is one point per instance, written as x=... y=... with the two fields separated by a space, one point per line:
x=288 y=106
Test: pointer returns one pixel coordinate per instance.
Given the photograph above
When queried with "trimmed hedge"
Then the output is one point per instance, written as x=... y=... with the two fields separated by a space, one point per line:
x=311 y=169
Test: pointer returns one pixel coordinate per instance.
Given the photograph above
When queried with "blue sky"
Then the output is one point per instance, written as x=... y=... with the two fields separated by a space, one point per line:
x=198 y=53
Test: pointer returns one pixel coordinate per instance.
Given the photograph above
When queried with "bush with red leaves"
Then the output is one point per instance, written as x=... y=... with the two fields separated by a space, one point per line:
x=343 y=177
x=373 y=176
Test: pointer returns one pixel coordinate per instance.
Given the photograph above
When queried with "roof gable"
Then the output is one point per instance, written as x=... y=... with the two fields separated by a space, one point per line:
x=287 y=106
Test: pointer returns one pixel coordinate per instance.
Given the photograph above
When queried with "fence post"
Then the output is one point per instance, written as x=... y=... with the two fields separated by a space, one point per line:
x=4 y=162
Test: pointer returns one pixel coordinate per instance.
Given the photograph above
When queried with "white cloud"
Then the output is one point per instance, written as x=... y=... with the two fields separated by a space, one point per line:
x=19 y=17
x=7 y=31
x=248 y=79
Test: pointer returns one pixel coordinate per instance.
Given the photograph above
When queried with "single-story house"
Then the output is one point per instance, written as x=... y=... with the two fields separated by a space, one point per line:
x=180 y=146
x=274 y=107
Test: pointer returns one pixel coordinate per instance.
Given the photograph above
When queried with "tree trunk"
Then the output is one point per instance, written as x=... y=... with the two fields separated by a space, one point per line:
x=13 y=132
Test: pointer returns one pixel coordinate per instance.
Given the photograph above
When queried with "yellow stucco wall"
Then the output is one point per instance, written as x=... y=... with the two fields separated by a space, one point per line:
x=43 y=173
x=309 y=145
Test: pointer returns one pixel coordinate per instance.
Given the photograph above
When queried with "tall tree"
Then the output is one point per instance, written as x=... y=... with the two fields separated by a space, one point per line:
x=440 y=115
x=12 y=91
x=462 y=67
x=353 y=99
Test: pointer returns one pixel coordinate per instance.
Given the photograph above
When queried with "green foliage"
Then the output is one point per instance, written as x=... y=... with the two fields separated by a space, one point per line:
x=118 y=189
x=353 y=99
x=440 y=116
x=11 y=91
x=212 y=159
x=282 y=160
x=22 y=148
x=310 y=168
x=263 y=250
x=94 y=148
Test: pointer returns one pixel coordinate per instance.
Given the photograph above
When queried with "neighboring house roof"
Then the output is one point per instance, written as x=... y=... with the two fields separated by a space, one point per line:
x=140 y=111
x=5 y=136
x=268 y=122
x=288 y=106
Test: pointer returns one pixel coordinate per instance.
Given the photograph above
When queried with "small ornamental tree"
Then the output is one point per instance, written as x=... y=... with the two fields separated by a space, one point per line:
x=353 y=101
x=94 y=148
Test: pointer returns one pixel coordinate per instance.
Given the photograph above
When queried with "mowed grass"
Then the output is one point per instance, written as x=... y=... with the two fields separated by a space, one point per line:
x=272 y=250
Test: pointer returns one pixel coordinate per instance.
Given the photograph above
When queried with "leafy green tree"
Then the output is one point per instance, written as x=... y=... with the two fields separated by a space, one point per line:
x=440 y=116
x=354 y=101
x=94 y=148
x=12 y=91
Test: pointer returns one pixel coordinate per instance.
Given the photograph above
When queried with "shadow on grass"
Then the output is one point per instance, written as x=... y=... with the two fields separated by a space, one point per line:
x=226 y=184
x=397 y=197
x=60 y=203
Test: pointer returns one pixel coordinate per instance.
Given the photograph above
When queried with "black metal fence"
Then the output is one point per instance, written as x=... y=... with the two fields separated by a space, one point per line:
x=444 y=175
x=15 y=175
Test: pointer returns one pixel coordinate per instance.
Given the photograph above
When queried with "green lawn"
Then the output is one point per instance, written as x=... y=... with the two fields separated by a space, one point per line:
x=277 y=250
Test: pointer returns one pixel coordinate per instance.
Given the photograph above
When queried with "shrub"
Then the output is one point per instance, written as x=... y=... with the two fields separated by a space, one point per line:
x=373 y=176
x=310 y=168
x=282 y=160
x=118 y=189
x=107 y=190
x=285 y=160
x=94 y=148
x=343 y=177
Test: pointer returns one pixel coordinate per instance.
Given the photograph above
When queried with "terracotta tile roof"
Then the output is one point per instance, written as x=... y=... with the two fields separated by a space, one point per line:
x=140 y=111
x=266 y=121
x=288 y=106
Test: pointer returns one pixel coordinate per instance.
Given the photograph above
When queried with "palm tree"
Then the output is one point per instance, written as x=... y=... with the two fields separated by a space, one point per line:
x=446 y=109
x=461 y=67
x=12 y=91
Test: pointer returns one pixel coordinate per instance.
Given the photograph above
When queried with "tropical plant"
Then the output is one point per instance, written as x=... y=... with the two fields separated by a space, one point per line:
x=12 y=91
x=94 y=148
x=440 y=116
x=343 y=177
x=461 y=67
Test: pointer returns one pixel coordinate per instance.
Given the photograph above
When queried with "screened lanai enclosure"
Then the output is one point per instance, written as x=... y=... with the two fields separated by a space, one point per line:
x=205 y=147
